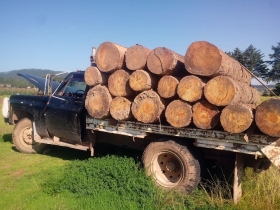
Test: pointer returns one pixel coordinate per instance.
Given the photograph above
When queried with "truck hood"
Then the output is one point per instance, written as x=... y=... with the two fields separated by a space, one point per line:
x=39 y=82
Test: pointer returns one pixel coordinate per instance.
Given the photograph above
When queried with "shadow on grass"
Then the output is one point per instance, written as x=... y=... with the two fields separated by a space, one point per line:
x=101 y=150
x=7 y=138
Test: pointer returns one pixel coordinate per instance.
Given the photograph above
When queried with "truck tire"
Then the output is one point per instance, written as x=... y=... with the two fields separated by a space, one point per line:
x=172 y=165
x=22 y=138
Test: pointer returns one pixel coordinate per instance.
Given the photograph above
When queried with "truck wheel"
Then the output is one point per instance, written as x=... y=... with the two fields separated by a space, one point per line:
x=172 y=166
x=22 y=138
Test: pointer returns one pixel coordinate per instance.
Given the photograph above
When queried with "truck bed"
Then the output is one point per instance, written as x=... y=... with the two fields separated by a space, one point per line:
x=260 y=145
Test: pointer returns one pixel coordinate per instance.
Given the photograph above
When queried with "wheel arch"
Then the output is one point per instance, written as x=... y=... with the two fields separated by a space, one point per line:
x=19 y=115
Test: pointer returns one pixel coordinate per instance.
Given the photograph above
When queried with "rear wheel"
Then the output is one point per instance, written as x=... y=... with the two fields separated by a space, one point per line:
x=23 y=138
x=172 y=165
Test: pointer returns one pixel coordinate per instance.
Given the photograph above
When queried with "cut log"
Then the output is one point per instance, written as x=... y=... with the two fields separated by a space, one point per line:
x=163 y=61
x=190 y=88
x=141 y=80
x=147 y=107
x=98 y=102
x=120 y=108
x=94 y=77
x=118 y=83
x=205 y=59
x=236 y=118
x=223 y=90
x=110 y=57
x=205 y=115
x=136 y=57
x=179 y=113
x=167 y=86
x=268 y=117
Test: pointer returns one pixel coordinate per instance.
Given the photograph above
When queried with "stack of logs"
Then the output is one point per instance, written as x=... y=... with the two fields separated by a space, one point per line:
x=205 y=88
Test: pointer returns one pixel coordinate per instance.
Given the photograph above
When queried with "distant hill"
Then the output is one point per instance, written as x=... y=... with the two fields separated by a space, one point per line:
x=11 y=79
x=35 y=72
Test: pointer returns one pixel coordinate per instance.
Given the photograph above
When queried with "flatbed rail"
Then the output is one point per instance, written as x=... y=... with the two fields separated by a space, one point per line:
x=254 y=144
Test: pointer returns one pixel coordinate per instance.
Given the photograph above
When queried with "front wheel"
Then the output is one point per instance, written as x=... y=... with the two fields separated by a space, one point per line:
x=23 y=138
x=172 y=166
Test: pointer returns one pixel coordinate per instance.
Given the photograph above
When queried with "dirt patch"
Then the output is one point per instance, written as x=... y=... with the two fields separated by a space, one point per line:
x=18 y=173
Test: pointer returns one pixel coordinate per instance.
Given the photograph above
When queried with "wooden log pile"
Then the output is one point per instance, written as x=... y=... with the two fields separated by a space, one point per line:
x=205 y=88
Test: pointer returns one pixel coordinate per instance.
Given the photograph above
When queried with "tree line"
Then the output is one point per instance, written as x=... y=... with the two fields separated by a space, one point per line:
x=253 y=60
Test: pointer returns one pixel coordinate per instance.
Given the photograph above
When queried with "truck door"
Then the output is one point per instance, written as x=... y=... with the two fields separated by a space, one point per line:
x=65 y=113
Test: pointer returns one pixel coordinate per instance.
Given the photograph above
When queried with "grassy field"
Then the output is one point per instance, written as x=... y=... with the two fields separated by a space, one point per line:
x=63 y=178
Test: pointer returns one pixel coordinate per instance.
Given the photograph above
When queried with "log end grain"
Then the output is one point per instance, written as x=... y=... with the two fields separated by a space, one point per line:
x=160 y=61
x=220 y=91
x=110 y=57
x=94 y=77
x=140 y=80
x=205 y=115
x=202 y=58
x=268 y=117
x=118 y=83
x=190 y=88
x=236 y=118
x=167 y=86
x=178 y=113
x=120 y=108
x=98 y=102
x=147 y=107
x=136 y=57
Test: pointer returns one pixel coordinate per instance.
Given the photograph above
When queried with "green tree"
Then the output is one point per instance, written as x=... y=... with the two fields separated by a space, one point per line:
x=237 y=54
x=276 y=89
x=253 y=60
x=274 y=73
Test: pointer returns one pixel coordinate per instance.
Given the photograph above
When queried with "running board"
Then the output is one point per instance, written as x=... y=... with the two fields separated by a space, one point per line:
x=62 y=144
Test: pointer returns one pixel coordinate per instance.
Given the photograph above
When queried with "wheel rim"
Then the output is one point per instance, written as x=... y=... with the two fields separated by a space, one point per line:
x=26 y=137
x=167 y=169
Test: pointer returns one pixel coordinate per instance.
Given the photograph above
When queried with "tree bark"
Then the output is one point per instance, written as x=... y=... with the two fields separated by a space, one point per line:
x=136 y=57
x=205 y=115
x=141 y=80
x=120 y=108
x=94 y=77
x=205 y=59
x=190 y=88
x=118 y=83
x=236 y=118
x=147 y=107
x=268 y=117
x=178 y=113
x=163 y=61
x=167 y=86
x=110 y=57
x=98 y=102
x=223 y=90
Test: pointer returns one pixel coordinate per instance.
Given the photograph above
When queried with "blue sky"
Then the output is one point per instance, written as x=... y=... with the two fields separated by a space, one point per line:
x=58 y=35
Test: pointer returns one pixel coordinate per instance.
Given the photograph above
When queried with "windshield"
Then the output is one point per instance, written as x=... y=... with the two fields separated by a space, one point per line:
x=73 y=84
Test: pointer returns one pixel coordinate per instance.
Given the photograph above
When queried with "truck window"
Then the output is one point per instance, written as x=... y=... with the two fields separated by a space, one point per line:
x=74 y=87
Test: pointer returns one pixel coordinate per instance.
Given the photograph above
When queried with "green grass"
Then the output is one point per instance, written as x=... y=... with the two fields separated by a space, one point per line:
x=64 y=178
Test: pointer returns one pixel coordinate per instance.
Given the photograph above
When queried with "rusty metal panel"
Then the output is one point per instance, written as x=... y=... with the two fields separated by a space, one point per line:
x=229 y=146
x=272 y=152
x=144 y=129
